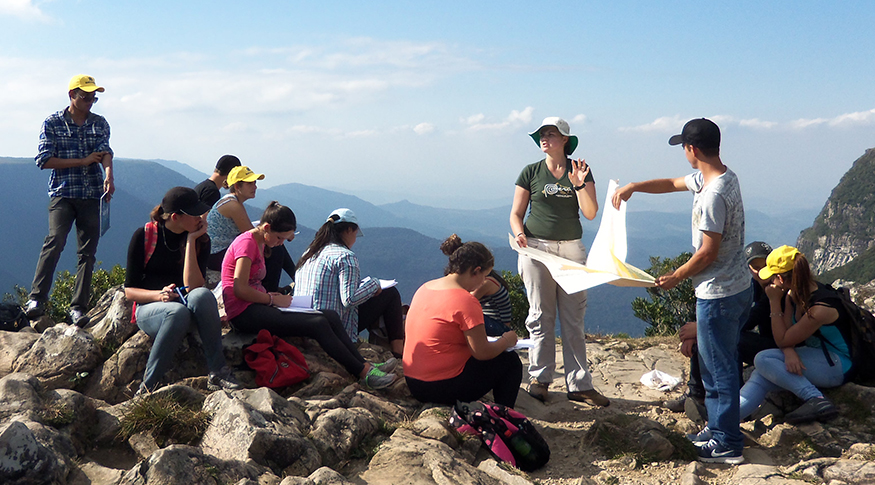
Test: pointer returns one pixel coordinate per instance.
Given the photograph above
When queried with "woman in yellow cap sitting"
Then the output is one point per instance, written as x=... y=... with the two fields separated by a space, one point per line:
x=812 y=354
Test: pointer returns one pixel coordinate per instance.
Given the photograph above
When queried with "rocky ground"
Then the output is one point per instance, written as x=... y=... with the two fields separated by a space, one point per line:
x=65 y=401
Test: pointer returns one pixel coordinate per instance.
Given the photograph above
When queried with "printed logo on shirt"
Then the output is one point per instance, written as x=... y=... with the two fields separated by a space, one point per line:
x=557 y=190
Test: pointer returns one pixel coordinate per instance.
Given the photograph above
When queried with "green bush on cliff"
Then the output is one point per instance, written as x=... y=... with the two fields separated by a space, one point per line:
x=58 y=305
x=667 y=310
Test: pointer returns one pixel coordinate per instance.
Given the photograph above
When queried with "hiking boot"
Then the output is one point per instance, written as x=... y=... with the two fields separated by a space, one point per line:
x=538 y=390
x=701 y=438
x=78 y=317
x=223 y=379
x=677 y=405
x=388 y=366
x=34 y=309
x=714 y=452
x=377 y=379
x=590 y=396
x=696 y=410
x=814 y=409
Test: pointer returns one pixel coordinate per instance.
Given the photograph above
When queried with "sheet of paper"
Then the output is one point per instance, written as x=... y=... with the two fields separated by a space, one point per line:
x=606 y=262
x=523 y=343
x=301 y=304
x=104 y=214
x=387 y=284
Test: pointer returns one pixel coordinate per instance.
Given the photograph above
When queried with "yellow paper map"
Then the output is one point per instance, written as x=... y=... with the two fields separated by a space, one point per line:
x=606 y=262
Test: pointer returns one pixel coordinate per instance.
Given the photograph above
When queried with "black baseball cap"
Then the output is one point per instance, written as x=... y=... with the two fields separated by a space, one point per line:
x=226 y=163
x=756 y=249
x=183 y=200
x=700 y=133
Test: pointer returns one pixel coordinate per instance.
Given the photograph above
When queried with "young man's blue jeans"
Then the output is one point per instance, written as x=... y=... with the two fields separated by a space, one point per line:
x=719 y=326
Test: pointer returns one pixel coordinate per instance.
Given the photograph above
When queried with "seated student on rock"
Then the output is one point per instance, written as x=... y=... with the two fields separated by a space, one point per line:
x=756 y=333
x=329 y=272
x=166 y=258
x=251 y=308
x=447 y=356
x=228 y=219
x=493 y=295
x=802 y=311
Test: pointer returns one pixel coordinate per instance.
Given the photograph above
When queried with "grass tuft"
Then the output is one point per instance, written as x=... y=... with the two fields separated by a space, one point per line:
x=168 y=420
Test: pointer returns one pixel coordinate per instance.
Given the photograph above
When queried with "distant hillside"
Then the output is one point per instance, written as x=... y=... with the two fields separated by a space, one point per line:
x=845 y=228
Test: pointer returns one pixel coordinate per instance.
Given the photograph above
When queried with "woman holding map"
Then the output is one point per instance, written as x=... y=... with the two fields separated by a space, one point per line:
x=555 y=191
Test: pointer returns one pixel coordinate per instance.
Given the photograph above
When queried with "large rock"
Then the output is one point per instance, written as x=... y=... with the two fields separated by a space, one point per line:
x=270 y=437
x=851 y=471
x=409 y=459
x=12 y=345
x=617 y=434
x=339 y=431
x=23 y=459
x=113 y=381
x=60 y=357
x=111 y=319
x=20 y=394
x=186 y=464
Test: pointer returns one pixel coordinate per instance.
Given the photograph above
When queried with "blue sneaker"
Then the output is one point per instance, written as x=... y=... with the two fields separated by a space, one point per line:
x=714 y=452
x=702 y=437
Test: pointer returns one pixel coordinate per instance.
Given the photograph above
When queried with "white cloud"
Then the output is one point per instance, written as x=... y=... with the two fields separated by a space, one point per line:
x=515 y=118
x=665 y=123
x=473 y=119
x=24 y=9
x=423 y=128
x=757 y=123
x=581 y=118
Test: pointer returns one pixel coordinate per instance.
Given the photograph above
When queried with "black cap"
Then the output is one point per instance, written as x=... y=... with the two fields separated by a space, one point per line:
x=700 y=133
x=226 y=163
x=183 y=200
x=756 y=249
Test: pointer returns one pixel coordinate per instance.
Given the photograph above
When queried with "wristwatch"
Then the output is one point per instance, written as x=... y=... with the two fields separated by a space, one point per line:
x=578 y=187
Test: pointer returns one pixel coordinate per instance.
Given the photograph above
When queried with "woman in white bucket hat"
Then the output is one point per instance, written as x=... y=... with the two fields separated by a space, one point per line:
x=555 y=191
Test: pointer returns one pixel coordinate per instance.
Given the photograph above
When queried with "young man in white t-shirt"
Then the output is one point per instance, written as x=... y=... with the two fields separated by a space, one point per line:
x=718 y=270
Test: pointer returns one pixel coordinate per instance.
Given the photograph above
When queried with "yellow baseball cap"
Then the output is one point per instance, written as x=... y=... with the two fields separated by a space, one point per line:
x=85 y=83
x=243 y=174
x=779 y=261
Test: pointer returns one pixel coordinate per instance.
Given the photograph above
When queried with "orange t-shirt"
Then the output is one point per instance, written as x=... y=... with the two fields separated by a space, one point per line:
x=435 y=347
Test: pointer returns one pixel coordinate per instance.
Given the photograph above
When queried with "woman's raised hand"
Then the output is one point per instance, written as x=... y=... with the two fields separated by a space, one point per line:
x=579 y=171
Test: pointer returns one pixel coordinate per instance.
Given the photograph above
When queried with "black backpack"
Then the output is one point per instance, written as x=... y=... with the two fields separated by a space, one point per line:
x=858 y=330
x=12 y=318
x=508 y=435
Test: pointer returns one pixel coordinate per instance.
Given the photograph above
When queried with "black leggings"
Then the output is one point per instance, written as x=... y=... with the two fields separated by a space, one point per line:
x=325 y=328
x=501 y=375
x=387 y=305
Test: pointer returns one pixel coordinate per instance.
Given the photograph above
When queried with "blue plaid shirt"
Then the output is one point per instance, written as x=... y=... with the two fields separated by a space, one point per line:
x=333 y=278
x=60 y=137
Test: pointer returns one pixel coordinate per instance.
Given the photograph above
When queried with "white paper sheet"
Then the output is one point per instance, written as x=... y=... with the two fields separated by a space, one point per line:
x=606 y=262
x=300 y=304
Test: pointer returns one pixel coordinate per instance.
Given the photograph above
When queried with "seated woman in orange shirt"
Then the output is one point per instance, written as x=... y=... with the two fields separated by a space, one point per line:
x=447 y=356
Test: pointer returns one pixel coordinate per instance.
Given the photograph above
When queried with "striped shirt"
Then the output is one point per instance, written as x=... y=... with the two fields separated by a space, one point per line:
x=497 y=305
x=333 y=278
x=60 y=137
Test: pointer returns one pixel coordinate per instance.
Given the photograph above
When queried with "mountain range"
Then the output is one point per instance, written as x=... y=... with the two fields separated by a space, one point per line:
x=401 y=240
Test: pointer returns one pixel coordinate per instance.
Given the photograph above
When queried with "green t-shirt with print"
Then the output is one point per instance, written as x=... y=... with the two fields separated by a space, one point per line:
x=553 y=210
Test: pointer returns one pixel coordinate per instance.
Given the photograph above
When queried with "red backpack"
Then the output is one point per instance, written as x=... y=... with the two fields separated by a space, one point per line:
x=276 y=362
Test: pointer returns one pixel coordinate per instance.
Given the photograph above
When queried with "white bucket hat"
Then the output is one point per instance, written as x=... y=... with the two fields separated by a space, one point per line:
x=563 y=128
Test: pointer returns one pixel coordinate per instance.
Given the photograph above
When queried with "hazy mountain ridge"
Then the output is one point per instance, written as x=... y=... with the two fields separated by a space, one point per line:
x=401 y=240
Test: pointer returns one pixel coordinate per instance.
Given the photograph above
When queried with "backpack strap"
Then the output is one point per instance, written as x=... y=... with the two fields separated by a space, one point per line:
x=150 y=238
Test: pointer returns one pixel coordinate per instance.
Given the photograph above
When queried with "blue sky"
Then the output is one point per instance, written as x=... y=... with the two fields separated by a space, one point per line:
x=432 y=101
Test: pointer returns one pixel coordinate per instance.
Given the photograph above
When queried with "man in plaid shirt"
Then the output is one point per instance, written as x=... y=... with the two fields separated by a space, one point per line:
x=74 y=144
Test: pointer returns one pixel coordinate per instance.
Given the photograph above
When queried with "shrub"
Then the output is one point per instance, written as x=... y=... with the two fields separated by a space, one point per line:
x=667 y=310
x=58 y=305
x=519 y=303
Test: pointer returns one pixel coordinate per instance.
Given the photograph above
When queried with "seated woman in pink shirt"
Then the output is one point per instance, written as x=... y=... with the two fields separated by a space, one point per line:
x=251 y=308
x=447 y=356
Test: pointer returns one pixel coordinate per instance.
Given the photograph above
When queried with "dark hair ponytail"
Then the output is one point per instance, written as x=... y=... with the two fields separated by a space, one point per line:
x=465 y=256
x=800 y=282
x=280 y=217
x=158 y=215
x=328 y=233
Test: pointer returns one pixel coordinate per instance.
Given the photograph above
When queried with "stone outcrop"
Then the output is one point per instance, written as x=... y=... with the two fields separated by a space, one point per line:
x=58 y=426
x=845 y=227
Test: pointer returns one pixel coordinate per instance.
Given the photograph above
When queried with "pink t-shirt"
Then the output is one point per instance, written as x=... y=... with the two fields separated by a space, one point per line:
x=244 y=246
x=435 y=347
